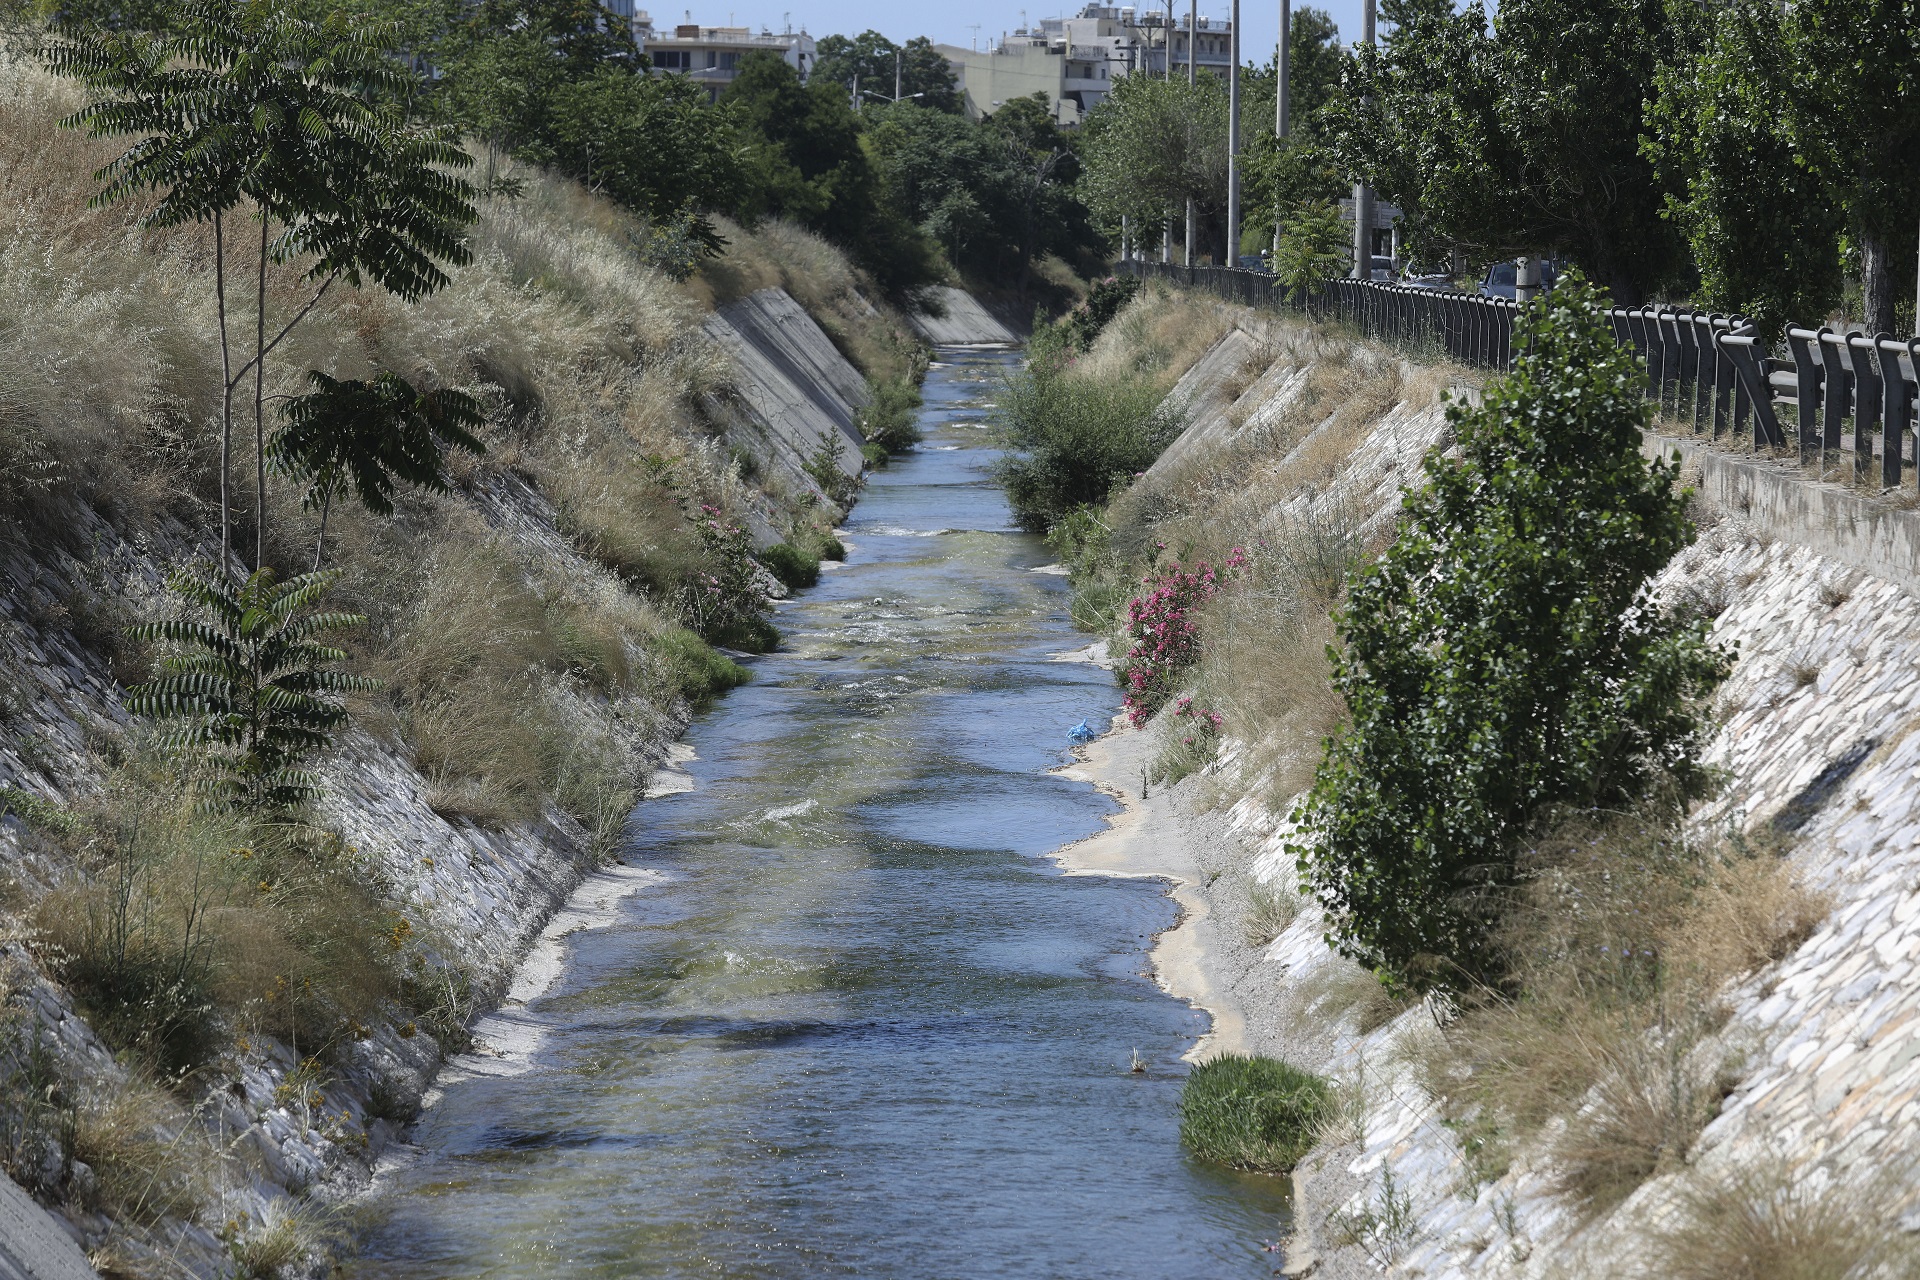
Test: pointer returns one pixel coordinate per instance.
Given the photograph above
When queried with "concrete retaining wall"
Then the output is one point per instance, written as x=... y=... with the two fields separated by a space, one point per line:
x=794 y=393
x=963 y=322
x=1779 y=499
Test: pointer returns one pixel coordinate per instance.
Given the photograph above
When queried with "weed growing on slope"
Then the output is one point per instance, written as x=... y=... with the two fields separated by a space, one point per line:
x=1778 y=1223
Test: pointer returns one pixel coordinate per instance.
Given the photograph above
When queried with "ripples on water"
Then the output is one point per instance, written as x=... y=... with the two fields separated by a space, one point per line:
x=863 y=1027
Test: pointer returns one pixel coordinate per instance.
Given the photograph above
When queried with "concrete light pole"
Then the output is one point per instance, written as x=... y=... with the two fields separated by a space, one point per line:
x=1363 y=194
x=1280 y=106
x=1193 y=29
x=1233 y=139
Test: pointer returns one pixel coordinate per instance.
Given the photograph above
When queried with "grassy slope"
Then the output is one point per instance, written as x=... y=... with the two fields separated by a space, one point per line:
x=528 y=630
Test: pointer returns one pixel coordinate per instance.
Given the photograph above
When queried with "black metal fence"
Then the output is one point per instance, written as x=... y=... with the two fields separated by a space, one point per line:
x=1711 y=374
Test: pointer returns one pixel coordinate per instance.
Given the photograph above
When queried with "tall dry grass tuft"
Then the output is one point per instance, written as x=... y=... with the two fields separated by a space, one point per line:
x=1159 y=335
x=1780 y=1223
x=1621 y=944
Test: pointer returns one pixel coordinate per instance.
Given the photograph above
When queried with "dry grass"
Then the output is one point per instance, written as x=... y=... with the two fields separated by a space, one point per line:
x=487 y=676
x=151 y=1159
x=1339 y=991
x=1162 y=333
x=1270 y=910
x=185 y=925
x=1622 y=944
x=1778 y=1223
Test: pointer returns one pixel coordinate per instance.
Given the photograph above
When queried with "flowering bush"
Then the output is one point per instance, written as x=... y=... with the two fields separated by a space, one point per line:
x=1162 y=626
x=725 y=601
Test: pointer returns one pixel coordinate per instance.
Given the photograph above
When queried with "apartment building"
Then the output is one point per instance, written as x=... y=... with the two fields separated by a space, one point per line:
x=710 y=56
x=1074 y=61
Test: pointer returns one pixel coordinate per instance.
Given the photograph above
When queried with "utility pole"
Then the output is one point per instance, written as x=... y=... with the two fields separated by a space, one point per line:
x=1362 y=193
x=1280 y=106
x=1233 y=137
x=896 y=75
x=1193 y=28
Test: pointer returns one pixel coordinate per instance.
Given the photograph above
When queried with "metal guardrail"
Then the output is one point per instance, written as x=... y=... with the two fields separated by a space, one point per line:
x=1707 y=372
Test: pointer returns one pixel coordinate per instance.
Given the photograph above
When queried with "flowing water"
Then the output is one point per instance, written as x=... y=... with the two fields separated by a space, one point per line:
x=860 y=1025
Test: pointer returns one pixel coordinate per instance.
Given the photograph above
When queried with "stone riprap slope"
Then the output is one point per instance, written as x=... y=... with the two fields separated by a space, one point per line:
x=1816 y=724
x=481 y=895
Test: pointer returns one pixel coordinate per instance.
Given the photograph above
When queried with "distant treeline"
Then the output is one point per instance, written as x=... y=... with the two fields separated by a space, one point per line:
x=910 y=189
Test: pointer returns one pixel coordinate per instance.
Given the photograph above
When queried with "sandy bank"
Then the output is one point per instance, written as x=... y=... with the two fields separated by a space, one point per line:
x=1200 y=959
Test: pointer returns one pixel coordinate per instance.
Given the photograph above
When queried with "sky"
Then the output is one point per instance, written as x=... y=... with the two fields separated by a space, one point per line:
x=955 y=23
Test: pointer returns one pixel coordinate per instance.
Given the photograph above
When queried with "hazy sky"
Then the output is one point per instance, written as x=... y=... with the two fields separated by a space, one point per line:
x=954 y=23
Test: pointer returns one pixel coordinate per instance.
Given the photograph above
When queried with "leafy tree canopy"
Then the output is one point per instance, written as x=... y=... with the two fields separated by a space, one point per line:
x=809 y=165
x=1519 y=136
x=1763 y=227
x=925 y=75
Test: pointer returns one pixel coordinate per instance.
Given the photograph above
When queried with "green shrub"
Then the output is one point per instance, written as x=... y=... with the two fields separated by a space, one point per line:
x=1252 y=1112
x=820 y=544
x=791 y=565
x=891 y=418
x=824 y=467
x=698 y=671
x=1501 y=660
x=191 y=924
x=1082 y=325
x=1073 y=440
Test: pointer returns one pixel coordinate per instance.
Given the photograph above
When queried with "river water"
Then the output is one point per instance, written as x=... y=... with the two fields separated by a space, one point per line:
x=860 y=1025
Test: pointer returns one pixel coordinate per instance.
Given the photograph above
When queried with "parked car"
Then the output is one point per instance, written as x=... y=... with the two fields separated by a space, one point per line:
x=1502 y=279
x=1438 y=280
x=1383 y=269
x=1254 y=262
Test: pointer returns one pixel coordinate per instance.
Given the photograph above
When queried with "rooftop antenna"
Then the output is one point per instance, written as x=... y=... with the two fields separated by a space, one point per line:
x=787 y=18
x=975 y=28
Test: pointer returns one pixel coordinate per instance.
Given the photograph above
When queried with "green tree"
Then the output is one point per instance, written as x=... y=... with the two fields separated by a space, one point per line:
x=808 y=164
x=925 y=75
x=1853 y=114
x=946 y=174
x=1071 y=440
x=1285 y=179
x=247 y=105
x=1524 y=136
x=1152 y=145
x=1040 y=182
x=554 y=83
x=1763 y=226
x=258 y=692
x=375 y=435
x=1503 y=658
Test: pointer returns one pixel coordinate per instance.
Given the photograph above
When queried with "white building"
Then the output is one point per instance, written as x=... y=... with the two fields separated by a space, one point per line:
x=710 y=56
x=1074 y=61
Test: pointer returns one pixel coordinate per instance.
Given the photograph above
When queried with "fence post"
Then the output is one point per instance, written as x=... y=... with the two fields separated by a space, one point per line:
x=1866 y=402
x=1802 y=344
x=1894 y=410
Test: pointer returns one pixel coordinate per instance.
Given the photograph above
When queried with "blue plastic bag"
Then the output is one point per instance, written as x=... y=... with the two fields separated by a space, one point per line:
x=1081 y=732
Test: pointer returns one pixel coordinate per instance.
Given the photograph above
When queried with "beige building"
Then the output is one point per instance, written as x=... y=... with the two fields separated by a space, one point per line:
x=1074 y=61
x=710 y=56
